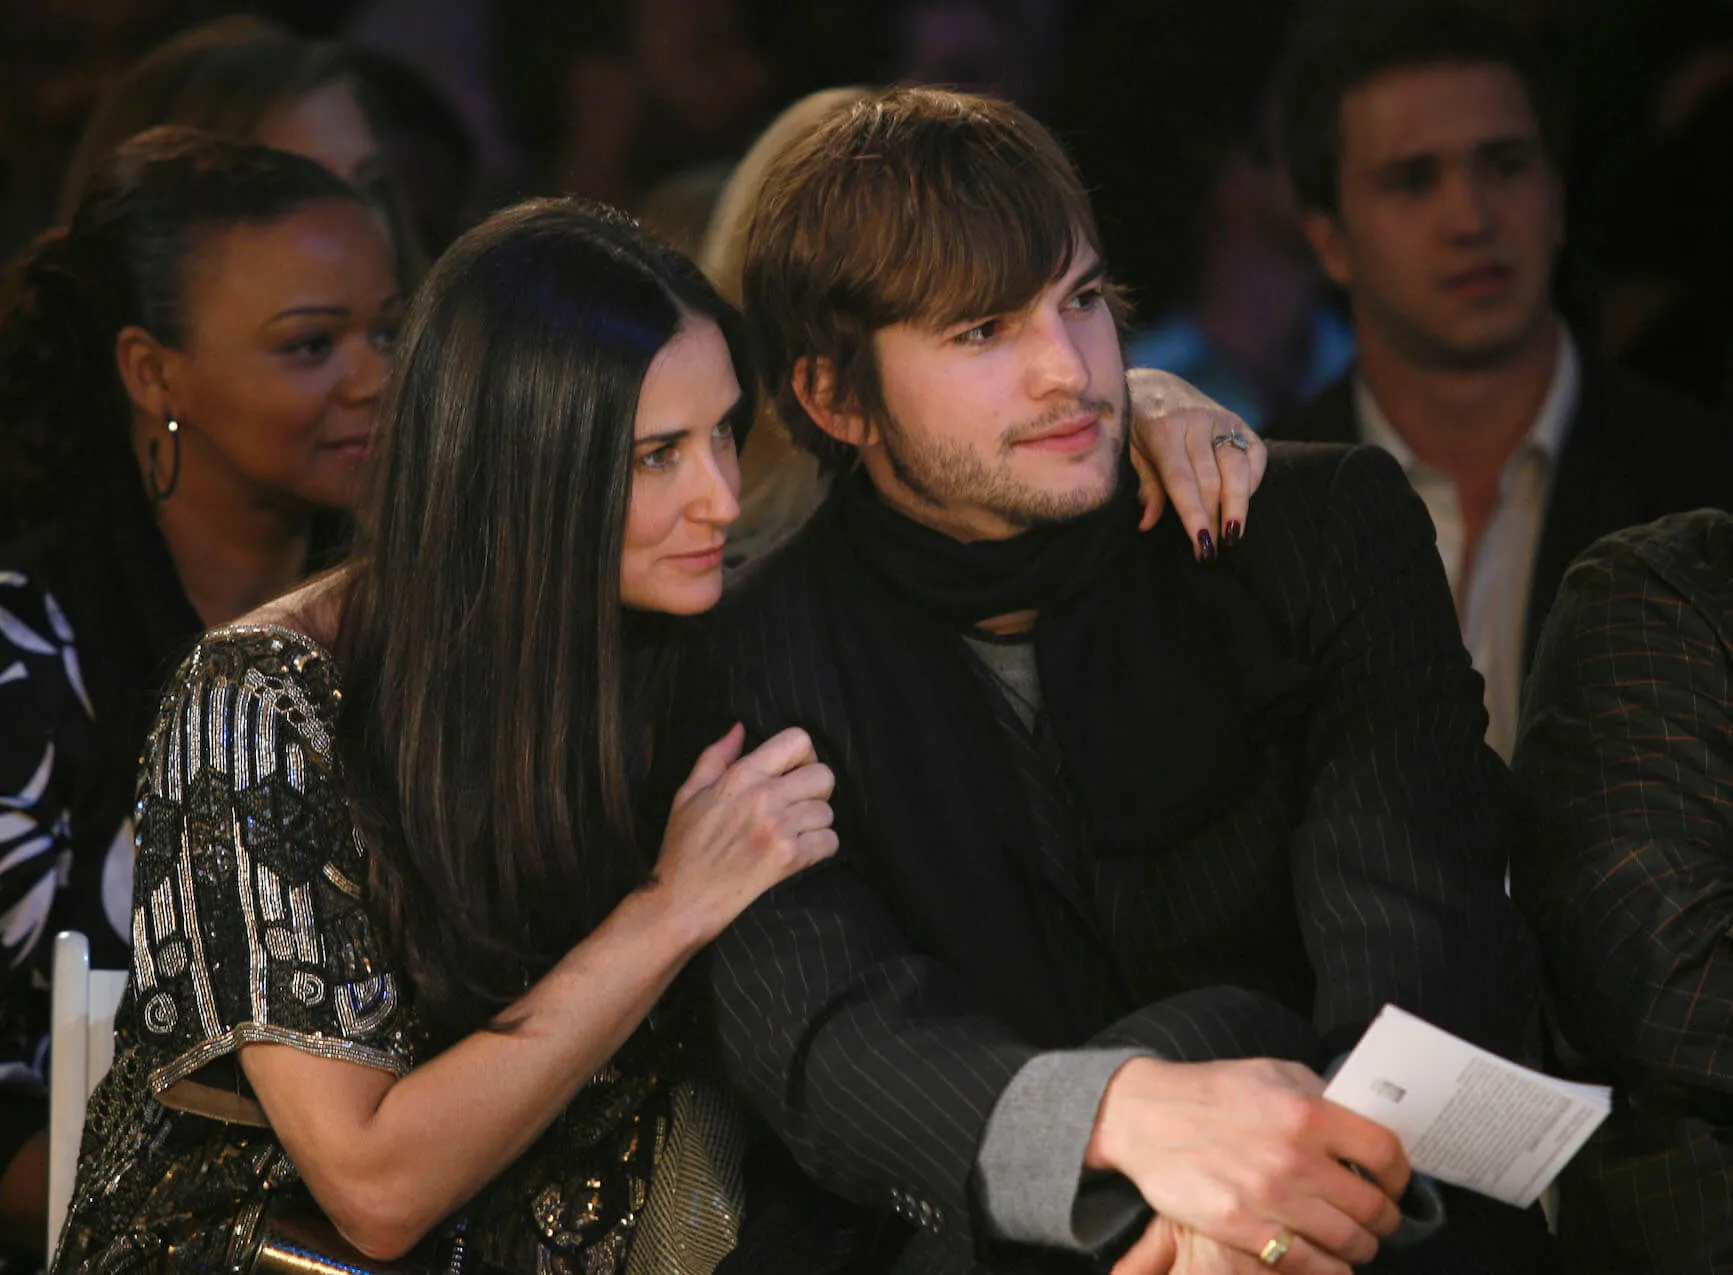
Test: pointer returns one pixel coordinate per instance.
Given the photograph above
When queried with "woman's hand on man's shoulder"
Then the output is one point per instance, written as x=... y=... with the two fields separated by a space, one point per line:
x=740 y=824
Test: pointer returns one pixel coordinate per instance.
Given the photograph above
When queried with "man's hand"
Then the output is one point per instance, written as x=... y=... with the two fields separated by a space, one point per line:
x=1173 y=428
x=1167 y=1248
x=1239 y=1151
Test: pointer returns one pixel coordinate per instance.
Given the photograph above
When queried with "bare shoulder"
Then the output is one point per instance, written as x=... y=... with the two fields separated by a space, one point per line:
x=312 y=609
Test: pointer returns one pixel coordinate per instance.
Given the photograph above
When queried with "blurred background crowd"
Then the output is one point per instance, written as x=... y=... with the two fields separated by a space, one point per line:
x=1166 y=105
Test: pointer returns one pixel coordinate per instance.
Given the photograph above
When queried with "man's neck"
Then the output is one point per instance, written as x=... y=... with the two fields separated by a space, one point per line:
x=963 y=526
x=896 y=494
x=1462 y=422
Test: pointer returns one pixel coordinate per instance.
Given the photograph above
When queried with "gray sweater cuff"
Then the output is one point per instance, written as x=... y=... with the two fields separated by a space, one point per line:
x=1030 y=1165
x=1422 y=1214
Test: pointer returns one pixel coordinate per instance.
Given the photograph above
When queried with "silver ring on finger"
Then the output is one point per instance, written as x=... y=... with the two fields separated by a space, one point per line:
x=1235 y=439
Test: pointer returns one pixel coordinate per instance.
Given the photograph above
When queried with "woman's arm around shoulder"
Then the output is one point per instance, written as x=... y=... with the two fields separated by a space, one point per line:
x=388 y=1157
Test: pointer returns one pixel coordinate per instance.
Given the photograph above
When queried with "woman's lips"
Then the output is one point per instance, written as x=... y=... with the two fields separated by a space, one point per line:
x=703 y=560
x=355 y=448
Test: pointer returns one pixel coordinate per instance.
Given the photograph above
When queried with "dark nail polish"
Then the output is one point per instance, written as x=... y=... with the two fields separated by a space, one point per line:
x=1207 y=545
x=1230 y=535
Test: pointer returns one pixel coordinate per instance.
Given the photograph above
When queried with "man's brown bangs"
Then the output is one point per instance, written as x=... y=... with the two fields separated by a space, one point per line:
x=977 y=252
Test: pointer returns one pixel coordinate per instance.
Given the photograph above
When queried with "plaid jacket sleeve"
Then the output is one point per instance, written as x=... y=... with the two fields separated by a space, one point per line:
x=1625 y=763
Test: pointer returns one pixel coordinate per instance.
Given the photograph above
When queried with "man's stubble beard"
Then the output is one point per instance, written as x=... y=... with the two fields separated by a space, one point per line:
x=946 y=475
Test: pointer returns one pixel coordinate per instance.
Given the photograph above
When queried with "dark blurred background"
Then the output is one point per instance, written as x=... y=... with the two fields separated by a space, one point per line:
x=1166 y=104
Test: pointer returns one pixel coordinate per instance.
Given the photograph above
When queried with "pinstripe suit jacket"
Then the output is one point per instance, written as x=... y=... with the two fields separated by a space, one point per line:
x=1625 y=765
x=1370 y=840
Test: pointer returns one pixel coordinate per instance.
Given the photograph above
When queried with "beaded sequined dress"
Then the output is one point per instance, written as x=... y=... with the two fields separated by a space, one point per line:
x=250 y=925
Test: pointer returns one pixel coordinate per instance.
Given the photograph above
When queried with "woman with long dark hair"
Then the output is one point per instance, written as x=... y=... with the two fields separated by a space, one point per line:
x=399 y=948
x=189 y=373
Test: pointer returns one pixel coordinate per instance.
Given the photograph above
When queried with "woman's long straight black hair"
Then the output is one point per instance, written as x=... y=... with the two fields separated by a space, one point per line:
x=485 y=730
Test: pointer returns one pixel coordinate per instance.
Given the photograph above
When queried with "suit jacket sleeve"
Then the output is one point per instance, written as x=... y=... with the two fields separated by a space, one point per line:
x=1626 y=766
x=871 y=1062
x=1399 y=857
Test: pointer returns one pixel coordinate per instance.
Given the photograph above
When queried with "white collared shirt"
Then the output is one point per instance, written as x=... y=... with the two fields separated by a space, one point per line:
x=1493 y=601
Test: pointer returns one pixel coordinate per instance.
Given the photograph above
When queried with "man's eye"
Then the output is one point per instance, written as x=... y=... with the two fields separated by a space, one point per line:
x=979 y=333
x=1088 y=298
x=1407 y=177
x=1510 y=163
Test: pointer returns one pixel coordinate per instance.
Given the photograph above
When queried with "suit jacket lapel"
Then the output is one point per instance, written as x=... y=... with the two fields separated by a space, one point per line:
x=1590 y=497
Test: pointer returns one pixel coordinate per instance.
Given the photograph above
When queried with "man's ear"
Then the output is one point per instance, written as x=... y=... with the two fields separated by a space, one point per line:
x=814 y=381
x=143 y=364
x=1330 y=242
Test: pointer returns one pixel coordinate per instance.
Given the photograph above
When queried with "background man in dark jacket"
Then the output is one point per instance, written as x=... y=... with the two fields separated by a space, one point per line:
x=1425 y=144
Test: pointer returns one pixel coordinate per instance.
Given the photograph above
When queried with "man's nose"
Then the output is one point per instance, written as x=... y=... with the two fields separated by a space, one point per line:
x=1467 y=204
x=1056 y=364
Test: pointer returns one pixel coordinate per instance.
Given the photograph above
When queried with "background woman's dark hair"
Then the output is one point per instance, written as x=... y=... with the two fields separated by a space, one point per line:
x=227 y=77
x=122 y=261
x=486 y=732
x=224 y=77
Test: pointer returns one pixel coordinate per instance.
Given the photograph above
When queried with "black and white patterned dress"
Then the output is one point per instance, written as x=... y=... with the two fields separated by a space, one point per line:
x=51 y=726
x=92 y=619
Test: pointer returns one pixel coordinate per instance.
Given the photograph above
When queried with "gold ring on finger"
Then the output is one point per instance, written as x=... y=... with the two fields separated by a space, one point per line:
x=1277 y=1248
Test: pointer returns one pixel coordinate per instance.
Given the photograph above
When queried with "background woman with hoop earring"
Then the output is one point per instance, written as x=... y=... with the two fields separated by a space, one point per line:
x=189 y=374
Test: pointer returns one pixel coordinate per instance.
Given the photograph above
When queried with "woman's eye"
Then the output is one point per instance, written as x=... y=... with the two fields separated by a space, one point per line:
x=385 y=336
x=1087 y=299
x=659 y=458
x=311 y=348
x=724 y=428
x=979 y=333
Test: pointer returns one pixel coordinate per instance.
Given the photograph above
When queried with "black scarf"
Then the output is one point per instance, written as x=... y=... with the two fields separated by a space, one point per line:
x=1152 y=670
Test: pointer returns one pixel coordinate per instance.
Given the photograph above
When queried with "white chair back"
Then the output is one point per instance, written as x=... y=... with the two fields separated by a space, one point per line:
x=81 y=1050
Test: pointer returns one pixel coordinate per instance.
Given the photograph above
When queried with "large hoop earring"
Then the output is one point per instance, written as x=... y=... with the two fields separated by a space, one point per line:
x=158 y=494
